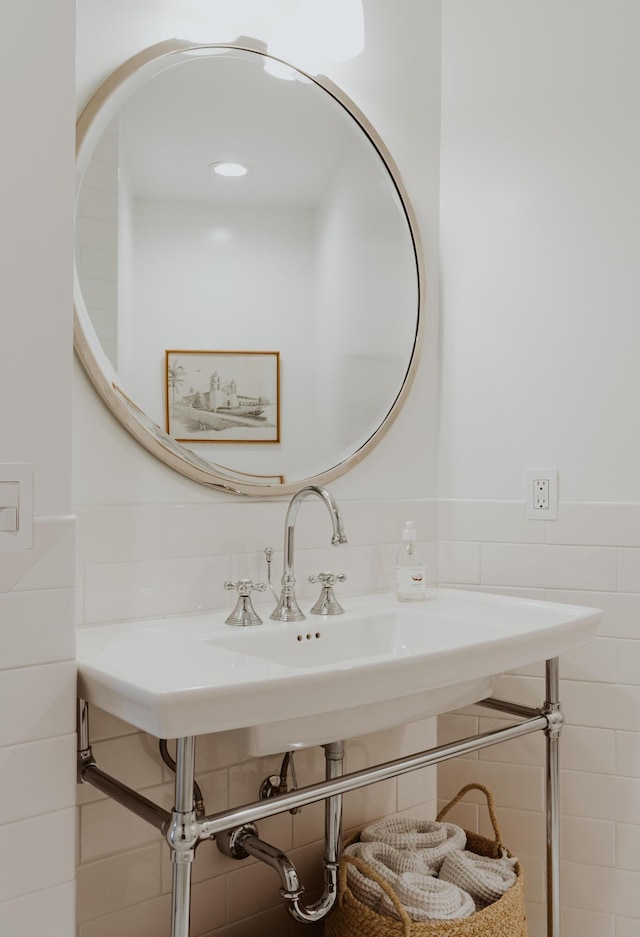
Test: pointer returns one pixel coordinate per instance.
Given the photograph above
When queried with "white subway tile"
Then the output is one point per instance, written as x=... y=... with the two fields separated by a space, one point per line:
x=222 y=528
x=488 y=521
x=37 y=627
x=458 y=562
x=627 y=927
x=369 y=522
x=370 y=568
x=37 y=777
x=121 y=591
x=628 y=847
x=549 y=566
x=592 y=842
x=600 y=797
x=93 y=232
x=613 y=524
x=147 y=919
x=50 y=911
x=41 y=700
x=119 y=533
x=629 y=569
x=584 y=748
x=596 y=661
x=209 y=905
x=627 y=761
x=112 y=884
x=601 y=705
x=424 y=515
x=628 y=660
x=577 y=923
x=521 y=787
x=36 y=853
x=50 y=564
x=101 y=264
x=621 y=610
x=594 y=888
x=102 y=174
x=99 y=294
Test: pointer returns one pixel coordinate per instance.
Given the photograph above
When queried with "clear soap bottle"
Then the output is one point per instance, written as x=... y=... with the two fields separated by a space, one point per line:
x=410 y=568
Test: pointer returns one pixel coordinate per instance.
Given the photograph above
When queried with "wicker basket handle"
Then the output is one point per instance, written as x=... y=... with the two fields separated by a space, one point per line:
x=490 y=805
x=366 y=869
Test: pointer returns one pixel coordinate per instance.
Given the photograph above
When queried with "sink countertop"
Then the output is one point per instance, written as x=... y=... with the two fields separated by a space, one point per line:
x=194 y=674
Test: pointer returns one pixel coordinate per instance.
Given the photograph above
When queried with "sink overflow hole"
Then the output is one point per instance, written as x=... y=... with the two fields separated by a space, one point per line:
x=309 y=637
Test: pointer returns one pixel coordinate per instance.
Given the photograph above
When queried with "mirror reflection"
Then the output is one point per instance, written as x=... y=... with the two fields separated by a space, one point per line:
x=303 y=250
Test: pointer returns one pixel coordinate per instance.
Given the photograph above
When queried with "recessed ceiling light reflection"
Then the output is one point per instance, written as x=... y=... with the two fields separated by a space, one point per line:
x=229 y=169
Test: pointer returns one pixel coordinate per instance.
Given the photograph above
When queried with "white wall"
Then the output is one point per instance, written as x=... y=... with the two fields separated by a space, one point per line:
x=540 y=222
x=541 y=212
x=37 y=668
x=151 y=542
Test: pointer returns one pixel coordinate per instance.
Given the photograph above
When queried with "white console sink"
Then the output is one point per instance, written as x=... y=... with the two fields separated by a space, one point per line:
x=279 y=686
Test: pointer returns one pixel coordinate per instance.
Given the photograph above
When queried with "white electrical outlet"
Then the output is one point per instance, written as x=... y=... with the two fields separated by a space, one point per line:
x=541 y=494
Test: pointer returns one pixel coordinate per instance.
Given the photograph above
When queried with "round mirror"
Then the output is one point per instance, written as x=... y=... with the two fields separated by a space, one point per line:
x=248 y=276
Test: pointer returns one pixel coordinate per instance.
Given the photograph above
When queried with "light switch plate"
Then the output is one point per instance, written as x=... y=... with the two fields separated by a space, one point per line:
x=16 y=506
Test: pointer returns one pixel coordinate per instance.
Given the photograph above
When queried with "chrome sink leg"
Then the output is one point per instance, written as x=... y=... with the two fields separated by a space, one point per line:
x=182 y=836
x=555 y=722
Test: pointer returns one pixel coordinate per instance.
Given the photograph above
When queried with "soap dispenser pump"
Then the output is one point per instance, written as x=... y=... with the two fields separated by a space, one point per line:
x=410 y=568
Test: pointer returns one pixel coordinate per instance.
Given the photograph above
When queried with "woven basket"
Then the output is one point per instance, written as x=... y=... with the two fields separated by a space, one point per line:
x=503 y=918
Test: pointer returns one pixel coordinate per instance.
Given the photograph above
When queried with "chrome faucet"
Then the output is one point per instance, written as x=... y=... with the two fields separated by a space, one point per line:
x=287 y=608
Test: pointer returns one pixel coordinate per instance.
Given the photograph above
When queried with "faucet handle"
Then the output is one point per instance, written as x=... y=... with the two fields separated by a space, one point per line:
x=328 y=579
x=244 y=612
x=245 y=586
x=327 y=604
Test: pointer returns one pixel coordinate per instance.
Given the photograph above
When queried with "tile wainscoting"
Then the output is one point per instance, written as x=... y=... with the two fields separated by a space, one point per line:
x=37 y=733
x=589 y=556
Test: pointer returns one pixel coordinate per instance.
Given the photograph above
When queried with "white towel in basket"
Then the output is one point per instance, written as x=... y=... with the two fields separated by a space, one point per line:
x=424 y=897
x=432 y=838
x=484 y=878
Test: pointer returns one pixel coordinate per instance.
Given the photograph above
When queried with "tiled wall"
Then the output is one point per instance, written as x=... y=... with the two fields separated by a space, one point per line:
x=143 y=560
x=589 y=556
x=37 y=733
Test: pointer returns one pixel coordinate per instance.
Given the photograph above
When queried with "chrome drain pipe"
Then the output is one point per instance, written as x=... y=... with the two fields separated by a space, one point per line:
x=309 y=914
x=243 y=841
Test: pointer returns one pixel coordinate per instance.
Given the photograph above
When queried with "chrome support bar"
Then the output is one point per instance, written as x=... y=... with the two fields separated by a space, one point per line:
x=90 y=773
x=182 y=836
x=552 y=794
x=511 y=709
x=251 y=813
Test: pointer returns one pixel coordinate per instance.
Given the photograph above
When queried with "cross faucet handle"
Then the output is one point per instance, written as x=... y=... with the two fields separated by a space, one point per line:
x=244 y=612
x=328 y=579
x=245 y=586
x=327 y=604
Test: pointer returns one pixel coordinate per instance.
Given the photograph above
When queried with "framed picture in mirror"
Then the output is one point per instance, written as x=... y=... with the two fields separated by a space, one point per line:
x=222 y=396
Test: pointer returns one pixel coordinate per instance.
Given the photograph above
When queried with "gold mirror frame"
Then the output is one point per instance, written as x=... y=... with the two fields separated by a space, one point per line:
x=93 y=119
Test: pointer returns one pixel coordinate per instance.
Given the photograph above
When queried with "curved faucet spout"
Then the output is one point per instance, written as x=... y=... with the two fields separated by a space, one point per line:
x=288 y=608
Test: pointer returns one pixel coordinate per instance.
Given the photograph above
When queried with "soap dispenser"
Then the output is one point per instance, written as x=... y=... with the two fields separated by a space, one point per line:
x=410 y=568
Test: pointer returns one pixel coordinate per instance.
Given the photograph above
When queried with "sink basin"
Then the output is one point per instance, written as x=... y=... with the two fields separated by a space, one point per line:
x=279 y=686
